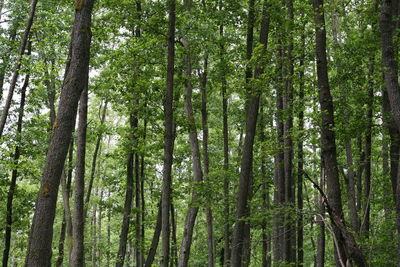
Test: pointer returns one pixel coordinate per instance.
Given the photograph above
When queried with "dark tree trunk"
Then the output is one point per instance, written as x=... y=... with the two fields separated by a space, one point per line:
x=368 y=154
x=39 y=249
x=94 y=160
x=77 y=255
x=300 y=156
x=168 y=138
x=154 y=243
x=138 y=207
x=289 y=232
x=14 y=176
x=17 y=66
x=128 y=195
x=320 y=257
x=226 y=247
x=346 y=248
x=279 y=181
x=253 y=101
x=174 y=249
x=390 y=71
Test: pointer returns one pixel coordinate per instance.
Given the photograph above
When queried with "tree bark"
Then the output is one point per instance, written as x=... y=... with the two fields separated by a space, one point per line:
x=95 y=155
x=154 y=243
x=390 y=70
x=17 y=66
x=168 y=137
x=128 y=195
x=245 y=182
x=194 y=147
x=346 y=248
x=204 y=115
x=77 y=255
x=39 y=248
x=300 y=156
x=14 y=175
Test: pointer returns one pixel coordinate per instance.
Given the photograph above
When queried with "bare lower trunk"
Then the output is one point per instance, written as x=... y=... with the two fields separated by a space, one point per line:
x=77 y=255
x=168 y=138
x=14 y=176
x=39 y=248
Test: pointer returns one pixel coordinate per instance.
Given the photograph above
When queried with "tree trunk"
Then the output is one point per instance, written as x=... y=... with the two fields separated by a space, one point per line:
x=389 y=63
x=320 y=257
x=168 y=137
x=95 y=155
x=354 y=220
x=226 y=248
x=245 y=182
x=39 y=248
x=300 y=156
x=17 y=66
x=14 y=176
x=138 y=207
x=347 y=250
x=289 y=232
x=128 y=195
x=368 y=154
x=154 y=243
x=194 y=147
x=279 y=181
x=77 y=255
x=204 y=121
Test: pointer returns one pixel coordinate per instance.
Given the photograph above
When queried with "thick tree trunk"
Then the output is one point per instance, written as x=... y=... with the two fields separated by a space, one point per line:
x=168 y=138
x=14 y=175
x=390 y=70
x=77 y=255
x=39 y=249
x=346 y=248
x=17 y=66
x=245 y=182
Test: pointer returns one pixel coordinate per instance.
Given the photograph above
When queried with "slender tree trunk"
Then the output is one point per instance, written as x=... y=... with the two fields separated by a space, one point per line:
x=94 y=232
x=300 y=156
x=174 y=249
x=17 y=66
x=194 y=147
x=168 y=137
x=347 y=249
x=154 y=243
x=77 y=255
x=245 y=183
x=109 y=235
x=354 y=220
x=279 y=181
x=94 y=160
x=289 y=232
x=368 y=154
x=226 y=247
x=99 y=249
x=14 y=176
x=138 y=207
x=360 y=171
x=128 y=195
x=39 y=249
x=204 y=115
x=320 y=257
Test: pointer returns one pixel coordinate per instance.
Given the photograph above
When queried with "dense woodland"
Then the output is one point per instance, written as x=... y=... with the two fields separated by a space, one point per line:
x=199 y=133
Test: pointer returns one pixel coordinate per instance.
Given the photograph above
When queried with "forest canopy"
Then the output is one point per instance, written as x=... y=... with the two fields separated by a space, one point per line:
x=199 y=133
